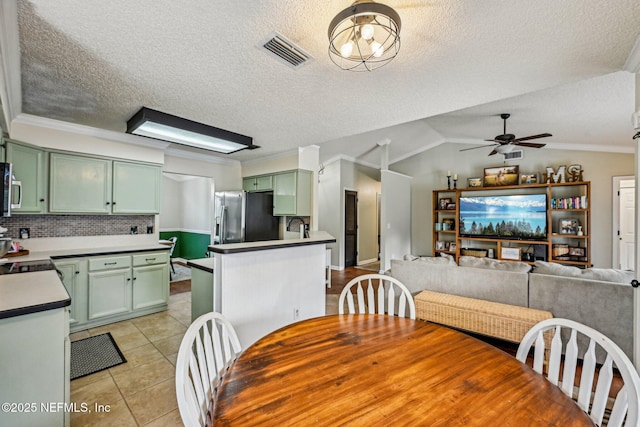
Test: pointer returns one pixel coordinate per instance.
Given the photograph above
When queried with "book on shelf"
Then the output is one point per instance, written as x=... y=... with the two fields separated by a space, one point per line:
x=574 y=202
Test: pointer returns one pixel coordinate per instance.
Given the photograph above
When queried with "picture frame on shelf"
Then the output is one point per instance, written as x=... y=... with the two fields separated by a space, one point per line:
x=568 y=226
x=452 y=246
x=444 y=202
x=576 y=251
x=439 y=245
x=529 y=178
x=448 y=224
x=451 y=207
x=560 y=251
x=501 y=176
x=474 y=182
x=512 y=254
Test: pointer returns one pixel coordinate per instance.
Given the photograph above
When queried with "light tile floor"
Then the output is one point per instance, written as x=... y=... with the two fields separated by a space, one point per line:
x=140 y=392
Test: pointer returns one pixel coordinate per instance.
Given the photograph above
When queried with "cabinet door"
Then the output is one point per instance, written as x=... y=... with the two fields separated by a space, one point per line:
x=109 y=293
x=264 y=183
x=29 y=169
x=70 y=270
x=249 y=184
x=79 y=184
x=284 y=194
x=150 y=285
x=136 y=188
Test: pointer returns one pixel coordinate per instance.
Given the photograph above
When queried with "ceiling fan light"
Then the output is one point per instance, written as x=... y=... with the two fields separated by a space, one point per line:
x=504 y=149
x=360 y=23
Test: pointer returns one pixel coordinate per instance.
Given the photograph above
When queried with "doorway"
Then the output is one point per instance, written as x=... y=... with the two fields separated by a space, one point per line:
x=624 y=222
x=350 y=228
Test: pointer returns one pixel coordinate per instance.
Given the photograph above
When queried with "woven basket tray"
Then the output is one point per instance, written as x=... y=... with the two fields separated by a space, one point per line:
x=504 y=321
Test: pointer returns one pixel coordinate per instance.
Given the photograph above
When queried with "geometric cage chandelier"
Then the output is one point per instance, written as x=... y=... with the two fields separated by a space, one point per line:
x=364 y=36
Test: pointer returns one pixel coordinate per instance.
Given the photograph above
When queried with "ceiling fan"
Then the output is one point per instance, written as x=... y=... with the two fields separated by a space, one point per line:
x=506 y=141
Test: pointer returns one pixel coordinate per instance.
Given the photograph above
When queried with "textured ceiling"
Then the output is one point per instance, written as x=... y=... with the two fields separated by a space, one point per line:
x=555 y=65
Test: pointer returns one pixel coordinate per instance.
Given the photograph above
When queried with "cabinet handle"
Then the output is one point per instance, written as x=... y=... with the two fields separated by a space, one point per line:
x=113 y=203
x=78 y=272
x=42 y=200
x=108 y=203
x=134 y=278
x=110 y=263
x=149 y=259
x=128 y=279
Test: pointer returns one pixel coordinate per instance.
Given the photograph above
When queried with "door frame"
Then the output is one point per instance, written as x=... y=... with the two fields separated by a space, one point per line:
x=615 y=217
x=344 y=226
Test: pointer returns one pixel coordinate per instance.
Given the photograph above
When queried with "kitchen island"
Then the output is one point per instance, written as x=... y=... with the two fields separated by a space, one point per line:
x=263 y=286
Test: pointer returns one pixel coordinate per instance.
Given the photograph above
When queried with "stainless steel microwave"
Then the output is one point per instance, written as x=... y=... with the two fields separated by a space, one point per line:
x=10 y=190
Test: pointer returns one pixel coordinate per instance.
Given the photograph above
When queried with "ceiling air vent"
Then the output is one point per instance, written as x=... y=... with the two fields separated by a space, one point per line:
x=514 y=155
x=285 y=51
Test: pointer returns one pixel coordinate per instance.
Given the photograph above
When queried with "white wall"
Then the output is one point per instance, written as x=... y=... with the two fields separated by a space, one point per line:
x=196 y=205
x=395 y=231
x=226 y=175
x=170 y=217
x=284 y=162
x=429 y=172
x=329 y=207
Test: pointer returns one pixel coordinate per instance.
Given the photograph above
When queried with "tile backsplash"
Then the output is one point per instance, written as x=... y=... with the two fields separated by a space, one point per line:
x=75 y=225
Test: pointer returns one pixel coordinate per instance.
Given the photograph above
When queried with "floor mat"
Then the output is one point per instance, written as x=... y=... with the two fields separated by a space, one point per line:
x=94 y=354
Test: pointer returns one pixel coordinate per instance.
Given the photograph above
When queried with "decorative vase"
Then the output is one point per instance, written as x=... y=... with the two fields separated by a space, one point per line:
x=580 y=233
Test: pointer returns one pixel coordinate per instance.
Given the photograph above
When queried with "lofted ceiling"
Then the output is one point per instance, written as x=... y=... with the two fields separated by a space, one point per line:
x=557 y=66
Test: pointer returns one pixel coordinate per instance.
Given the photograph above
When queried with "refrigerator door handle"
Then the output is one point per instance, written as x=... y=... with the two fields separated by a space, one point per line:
x=223 y=225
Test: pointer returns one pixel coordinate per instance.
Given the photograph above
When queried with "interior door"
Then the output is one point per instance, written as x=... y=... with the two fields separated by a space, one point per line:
x=627 y=228
x=350 y=228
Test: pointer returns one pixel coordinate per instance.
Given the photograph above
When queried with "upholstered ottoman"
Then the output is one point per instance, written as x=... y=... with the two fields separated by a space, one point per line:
x=504 y=321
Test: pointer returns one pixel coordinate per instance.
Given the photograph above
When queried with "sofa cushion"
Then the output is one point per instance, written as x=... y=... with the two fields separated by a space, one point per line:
x=493 y=264
x=601 y=274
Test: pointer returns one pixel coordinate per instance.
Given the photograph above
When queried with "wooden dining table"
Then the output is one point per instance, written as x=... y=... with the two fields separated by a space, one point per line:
x=385 y=370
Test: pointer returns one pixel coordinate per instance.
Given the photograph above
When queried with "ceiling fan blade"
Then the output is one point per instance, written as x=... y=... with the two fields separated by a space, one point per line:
x=493 y=152
x=475 y=148
x=527 y=138
x=529 y=144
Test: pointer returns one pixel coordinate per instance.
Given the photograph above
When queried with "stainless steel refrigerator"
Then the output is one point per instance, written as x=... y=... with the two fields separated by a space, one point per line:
x=240 y=216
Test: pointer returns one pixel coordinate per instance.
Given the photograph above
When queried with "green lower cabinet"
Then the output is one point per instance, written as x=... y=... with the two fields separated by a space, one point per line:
x=149 y=286
x=109 y=293
x=71 y=279
x=109 y=289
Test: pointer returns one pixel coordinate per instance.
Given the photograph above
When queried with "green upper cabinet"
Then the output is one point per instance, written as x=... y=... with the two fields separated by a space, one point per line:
x=29 y=167
x=82 y=184
x=136 y=188
x=292 y=193
x=79 y=184
x=258 y=183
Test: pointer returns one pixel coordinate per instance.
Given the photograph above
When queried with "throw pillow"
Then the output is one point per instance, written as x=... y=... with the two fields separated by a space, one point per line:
x=493 y=264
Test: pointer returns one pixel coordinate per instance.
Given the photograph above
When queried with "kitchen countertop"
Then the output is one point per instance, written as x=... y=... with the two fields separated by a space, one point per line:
x=204 y=264
x=27 y=293
x=315 y=238
x=76 y=253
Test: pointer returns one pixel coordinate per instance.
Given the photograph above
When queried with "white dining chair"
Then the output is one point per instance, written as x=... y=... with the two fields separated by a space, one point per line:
x=377 y=293
x=206 y=351
x=597 y=403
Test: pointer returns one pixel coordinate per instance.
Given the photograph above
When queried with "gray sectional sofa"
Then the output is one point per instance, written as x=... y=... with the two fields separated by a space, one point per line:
x=600 y=298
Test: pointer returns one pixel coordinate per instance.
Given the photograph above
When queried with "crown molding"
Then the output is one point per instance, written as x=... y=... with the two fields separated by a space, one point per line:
x=10 y=81
x=288 y=153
